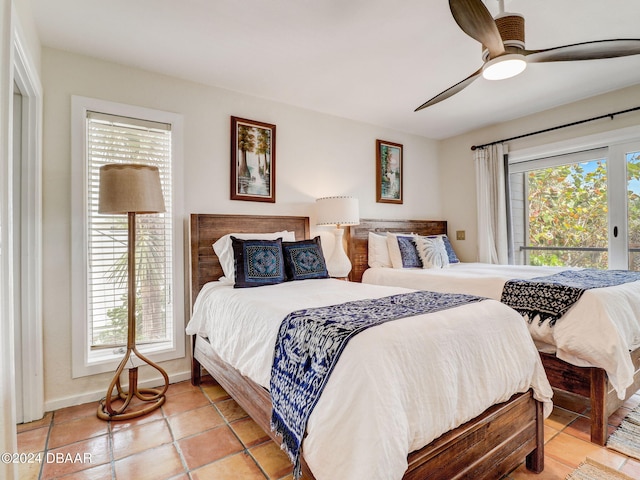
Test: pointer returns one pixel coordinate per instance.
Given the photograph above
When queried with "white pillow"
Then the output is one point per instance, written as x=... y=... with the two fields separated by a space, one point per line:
x=432 y=252
x=224 y=249
x=378 y=251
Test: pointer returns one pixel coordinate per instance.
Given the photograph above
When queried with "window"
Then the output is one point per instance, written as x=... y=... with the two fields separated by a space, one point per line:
x=111 y=133
x=561 y=204
x=577 y=209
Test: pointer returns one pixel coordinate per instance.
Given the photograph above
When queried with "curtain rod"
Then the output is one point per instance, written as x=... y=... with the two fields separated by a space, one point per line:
x=610 y=115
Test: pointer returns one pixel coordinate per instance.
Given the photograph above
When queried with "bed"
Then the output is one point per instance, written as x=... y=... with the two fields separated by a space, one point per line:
x=489 y=445
x=602 y=368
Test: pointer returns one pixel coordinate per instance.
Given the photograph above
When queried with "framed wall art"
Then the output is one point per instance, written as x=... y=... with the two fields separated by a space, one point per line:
x=388 y=172
x=253 y=160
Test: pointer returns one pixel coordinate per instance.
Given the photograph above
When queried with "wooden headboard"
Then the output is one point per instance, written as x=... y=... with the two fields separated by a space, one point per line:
x=207 y=228
x=358 y=238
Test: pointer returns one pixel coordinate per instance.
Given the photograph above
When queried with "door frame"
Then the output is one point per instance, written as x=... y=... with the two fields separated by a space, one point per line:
x=8 y=441
x=30 y=348
x=618 y=196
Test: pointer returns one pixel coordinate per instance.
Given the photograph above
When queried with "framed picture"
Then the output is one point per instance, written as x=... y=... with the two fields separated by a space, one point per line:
x=388 y=172
x=253 y=160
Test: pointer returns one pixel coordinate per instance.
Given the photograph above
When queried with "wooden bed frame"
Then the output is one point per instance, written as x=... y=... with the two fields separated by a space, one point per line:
x=489 y=446
x=586 y=385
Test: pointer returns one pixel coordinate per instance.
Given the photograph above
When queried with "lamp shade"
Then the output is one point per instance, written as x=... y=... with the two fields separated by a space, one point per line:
x=126 y=188
x=337 y=211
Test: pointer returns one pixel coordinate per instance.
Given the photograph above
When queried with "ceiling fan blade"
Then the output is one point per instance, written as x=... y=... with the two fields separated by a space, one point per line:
x=449 y=92
x=585 y=51
x=475 y=20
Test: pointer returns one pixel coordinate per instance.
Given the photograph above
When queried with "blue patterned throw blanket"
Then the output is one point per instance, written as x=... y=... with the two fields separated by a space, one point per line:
x=310 y=342
x=552 y=296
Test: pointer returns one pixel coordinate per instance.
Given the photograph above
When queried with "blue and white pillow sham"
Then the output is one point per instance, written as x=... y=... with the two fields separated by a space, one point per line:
x=258 y=262
x=304 y=260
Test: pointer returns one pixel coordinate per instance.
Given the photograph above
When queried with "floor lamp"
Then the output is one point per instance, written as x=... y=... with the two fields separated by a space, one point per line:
x=338 y=211
x=131 y=189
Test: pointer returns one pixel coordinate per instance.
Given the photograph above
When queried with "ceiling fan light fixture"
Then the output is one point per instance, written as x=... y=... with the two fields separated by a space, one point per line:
x=503 y=46
x=504 y=66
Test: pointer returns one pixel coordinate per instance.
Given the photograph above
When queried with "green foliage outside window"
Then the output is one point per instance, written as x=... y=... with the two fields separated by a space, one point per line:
x=568 y=208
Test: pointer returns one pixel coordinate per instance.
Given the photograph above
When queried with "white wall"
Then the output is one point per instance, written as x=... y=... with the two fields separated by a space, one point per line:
x=456 y=159
x=317 y=155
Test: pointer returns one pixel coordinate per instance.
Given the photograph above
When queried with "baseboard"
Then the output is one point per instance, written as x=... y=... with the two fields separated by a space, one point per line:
x=97 y=395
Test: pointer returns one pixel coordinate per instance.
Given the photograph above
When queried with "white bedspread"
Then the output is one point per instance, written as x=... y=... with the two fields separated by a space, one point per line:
x=598 y=331
x=396 y=387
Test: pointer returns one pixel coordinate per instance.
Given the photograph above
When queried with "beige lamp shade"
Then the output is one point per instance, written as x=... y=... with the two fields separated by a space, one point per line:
x=337 y=211
x=126 y=188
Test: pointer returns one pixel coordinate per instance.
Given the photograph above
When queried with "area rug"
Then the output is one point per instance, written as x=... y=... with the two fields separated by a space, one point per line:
x=592 y=470
x=626 y=438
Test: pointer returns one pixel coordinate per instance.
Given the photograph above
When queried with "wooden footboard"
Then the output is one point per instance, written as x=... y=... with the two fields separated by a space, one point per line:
x=592 y=385
x=487 y=447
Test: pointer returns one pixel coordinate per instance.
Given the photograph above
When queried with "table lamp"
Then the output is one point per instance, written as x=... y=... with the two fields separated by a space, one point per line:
x=338 y=211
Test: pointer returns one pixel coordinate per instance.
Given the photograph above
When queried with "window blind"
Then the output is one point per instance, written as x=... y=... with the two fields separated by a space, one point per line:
x=114 y=139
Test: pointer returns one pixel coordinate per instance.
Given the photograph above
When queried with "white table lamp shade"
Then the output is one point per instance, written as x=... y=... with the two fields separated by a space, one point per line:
x=338 y=211
x=128 y=188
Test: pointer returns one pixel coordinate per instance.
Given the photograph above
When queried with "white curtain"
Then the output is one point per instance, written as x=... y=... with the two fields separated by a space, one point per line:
x=492 y=210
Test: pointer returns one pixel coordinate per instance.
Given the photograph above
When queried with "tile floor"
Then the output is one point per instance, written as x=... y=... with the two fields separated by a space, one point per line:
x=202 y=434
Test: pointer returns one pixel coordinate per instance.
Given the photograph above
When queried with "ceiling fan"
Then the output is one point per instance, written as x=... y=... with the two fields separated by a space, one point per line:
x=504 y=54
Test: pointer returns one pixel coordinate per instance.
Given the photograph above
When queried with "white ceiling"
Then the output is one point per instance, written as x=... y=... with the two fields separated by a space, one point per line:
x=373 y=61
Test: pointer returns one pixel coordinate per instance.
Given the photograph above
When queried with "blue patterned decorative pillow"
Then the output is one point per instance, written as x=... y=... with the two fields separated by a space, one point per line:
x=304 y=259
x=409 y=253
x=257 y=262
x=453 y=258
